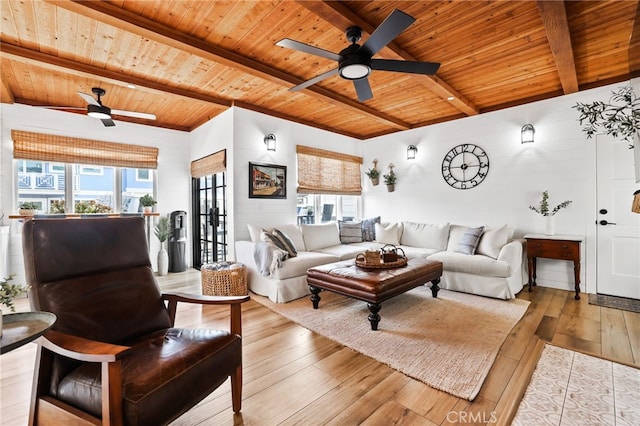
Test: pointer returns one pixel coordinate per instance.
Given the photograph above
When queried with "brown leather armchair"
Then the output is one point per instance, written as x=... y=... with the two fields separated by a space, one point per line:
x=113 y=356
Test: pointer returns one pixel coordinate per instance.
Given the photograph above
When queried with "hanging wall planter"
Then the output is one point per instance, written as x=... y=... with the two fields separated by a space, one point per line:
x=374 y=174
x=390 y=179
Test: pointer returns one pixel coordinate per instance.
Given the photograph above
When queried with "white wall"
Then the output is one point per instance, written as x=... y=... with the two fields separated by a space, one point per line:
x=173 y=181
x=249 y=131
x=560 y=160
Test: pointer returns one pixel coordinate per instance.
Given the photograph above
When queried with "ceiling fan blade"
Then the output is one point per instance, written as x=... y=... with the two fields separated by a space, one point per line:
x=133 y=114
x=314 y=80
x=427 y=68
x=88 y=99
x=391 y=27
x=107 y=122
x=306 y=48
x=363 y=89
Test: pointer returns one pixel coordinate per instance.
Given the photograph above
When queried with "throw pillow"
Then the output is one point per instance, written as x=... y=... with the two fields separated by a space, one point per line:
x=369 y=228
x=270 y=238
x=470 y=240
x=286 y=242
x=350 y=232
x=493 y=240
x=321 y=236
x=389 y=234
x=425 y=235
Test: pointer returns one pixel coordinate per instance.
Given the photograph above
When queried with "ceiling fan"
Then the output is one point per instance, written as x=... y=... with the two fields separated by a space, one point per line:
x=355 y=62
x=96 y=109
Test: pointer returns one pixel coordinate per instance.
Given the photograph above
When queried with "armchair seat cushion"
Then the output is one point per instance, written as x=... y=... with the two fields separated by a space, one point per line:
x=153 y=395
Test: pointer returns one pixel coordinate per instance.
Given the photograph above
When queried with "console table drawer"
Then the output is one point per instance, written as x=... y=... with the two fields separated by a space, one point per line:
x=554 y=249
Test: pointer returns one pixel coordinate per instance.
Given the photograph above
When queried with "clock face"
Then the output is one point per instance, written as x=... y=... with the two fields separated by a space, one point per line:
x=465 y=166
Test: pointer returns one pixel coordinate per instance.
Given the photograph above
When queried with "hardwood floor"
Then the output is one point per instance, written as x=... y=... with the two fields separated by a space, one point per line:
x=295 y=377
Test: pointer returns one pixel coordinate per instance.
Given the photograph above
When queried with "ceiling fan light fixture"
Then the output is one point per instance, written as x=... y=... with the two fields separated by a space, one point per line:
x=97 y=111
x=355 y=71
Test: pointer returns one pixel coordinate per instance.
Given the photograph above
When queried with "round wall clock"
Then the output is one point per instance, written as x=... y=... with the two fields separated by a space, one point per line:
x=465 y=166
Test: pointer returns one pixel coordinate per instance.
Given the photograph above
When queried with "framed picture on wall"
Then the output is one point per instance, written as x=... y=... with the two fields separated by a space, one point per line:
x=267 y=181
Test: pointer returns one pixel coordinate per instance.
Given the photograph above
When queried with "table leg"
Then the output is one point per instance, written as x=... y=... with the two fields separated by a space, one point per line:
x=374 y=318
x=576 y=277
x=434 y=287
x=532 y=272
x=315 y=296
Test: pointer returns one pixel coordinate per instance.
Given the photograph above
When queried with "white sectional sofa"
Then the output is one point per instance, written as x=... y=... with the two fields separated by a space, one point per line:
x=495 y=269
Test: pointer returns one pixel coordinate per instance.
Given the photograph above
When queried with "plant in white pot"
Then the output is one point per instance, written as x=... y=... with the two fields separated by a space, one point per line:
x=147 y=202
x=7 y=292
x=161 y=230
x=543 y=209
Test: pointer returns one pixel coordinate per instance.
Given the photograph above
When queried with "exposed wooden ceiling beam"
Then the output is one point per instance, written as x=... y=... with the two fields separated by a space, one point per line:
x=122 y=19
x=556 y=25
x=44 y=60
x=6 y=95
x=341 y=17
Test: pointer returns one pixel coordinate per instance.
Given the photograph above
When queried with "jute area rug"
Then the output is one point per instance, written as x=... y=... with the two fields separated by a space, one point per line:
x=449 y=343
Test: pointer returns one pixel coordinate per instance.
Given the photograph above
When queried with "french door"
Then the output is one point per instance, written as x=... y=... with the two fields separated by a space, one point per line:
x=209 y=219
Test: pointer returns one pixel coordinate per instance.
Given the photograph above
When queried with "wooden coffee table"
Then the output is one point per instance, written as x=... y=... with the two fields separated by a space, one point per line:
x=373 y=286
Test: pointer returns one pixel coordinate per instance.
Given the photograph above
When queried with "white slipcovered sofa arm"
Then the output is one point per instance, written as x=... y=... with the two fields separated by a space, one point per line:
x=512 y=254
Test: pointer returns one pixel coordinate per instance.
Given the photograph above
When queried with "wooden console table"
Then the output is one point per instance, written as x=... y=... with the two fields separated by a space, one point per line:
x=559 y=247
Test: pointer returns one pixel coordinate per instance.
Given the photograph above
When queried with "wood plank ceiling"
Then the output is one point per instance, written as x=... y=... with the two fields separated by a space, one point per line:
x=192 y=60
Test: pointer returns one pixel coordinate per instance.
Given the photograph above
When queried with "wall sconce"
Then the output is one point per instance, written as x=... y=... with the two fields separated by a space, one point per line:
x=411 y=152
x=270 y=142
x=527 y=133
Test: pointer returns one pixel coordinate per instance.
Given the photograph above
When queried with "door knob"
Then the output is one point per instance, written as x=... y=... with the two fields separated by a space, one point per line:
x=604 y=222
x=604 y=211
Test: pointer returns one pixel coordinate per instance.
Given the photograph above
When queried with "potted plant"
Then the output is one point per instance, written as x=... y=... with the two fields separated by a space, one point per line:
x=543 y=209
x=7 y=293
x=147 y=202
x=27 y=208
x=390 y=179
x=373 y=173
x=161 y=230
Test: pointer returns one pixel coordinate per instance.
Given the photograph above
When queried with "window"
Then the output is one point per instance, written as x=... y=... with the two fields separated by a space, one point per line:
x=91 y=170
x=329 y=185
x=73 y=175
x=144 y=175
x=319 y=208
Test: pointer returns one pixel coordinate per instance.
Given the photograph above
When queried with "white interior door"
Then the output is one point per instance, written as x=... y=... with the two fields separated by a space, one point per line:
x=618 y=229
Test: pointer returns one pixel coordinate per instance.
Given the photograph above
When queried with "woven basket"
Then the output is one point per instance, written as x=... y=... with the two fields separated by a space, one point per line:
x=224 y=279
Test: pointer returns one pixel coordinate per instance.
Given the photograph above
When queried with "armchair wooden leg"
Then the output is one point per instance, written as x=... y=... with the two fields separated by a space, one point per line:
x=236 y=389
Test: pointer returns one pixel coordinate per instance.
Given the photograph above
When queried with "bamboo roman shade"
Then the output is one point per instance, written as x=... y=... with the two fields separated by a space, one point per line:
x=328 y=172
x=209 y=165
x=63 y=149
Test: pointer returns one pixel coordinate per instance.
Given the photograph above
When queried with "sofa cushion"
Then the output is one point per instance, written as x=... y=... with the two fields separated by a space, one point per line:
x=425 y=235
x=493 y=240
x=469 y=241
x=476 y=264
x=369 y=228
x=343 y=251
x=419 y=252
x=389 y=234
x=320 y=236
x=291 y=231
x=350 y=232
x=298 y=266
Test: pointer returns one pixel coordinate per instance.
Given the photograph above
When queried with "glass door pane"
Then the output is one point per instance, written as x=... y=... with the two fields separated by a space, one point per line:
x=209 y=210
